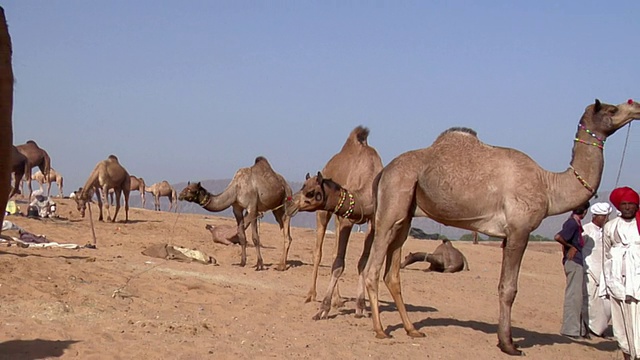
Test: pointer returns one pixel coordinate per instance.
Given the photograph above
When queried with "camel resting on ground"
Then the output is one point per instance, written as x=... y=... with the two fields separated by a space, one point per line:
x=6 y=110
x=54 y=176
x=460 y=181
x=108 y=174
x=160 y=189
x=223 y=234
x=256 y=189
x=445 y=258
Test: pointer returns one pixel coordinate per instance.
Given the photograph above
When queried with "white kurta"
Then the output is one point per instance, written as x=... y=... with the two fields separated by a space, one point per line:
x=599 y=307
x=622 y=276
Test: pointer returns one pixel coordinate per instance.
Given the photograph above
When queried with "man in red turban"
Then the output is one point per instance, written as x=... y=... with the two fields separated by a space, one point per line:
x=621 y=239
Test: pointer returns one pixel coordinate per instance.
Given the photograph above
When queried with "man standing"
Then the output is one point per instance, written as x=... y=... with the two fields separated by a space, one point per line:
x=574 y=317
x=621 y=240
x=599 y=307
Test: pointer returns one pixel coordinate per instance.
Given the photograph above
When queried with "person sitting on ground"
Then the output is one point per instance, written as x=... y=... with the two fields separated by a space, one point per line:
x=41 y=206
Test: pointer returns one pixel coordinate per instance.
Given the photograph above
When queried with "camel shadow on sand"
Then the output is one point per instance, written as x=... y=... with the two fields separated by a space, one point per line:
x=384 y=306
x=73 y=257
x=34 y=349
x=522 y=337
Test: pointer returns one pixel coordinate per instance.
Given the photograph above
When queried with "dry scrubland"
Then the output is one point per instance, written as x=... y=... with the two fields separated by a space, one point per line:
x=115 y=303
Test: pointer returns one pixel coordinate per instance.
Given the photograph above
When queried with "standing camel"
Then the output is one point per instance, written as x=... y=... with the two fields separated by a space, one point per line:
x=354 y=168
x=163 y=188
x=460 y=181
x=6 y=110
x=108 y=174
x=54 y=176
x=36 y=156
x=19 y=166
x=257 y=189
x=320 y=194
x=137 y=184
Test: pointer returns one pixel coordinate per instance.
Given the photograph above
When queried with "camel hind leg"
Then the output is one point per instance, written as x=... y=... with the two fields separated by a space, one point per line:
x=118 y=194
x=284 y=222
x=366 y=251
x=255 y=236
x=512 y=254
x=242 y=237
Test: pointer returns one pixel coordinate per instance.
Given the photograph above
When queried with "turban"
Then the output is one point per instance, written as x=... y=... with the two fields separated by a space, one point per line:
x=625 y=194
x=601 y=208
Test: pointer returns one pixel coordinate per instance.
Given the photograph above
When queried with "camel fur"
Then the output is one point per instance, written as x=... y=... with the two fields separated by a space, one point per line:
x=460 y=181
x=353 y=170
x=108 y=174
x=223 y=234
x=6 y=111
x=160 y=189
x=255 y=189
x=445 y=259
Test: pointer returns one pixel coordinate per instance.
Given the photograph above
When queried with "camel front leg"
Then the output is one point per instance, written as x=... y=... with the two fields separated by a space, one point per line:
x=284 y=222
x=336 y=270
x=512 y=254
x=126 y=206
x=118 y=193
x=368 y=241
x=99 y=200
x=252 y=214
x=322 y=220
x=242 y=237
x=392 y=276
x=105 y=192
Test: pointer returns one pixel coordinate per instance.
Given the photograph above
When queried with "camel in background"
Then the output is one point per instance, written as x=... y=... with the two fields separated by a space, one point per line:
x=460 y=181
x=445 y=259
x=54 y=176
x=108 y=174
x=256 y=189
x=19 y=166
x=163 y=188
x=6 y=111
x=36 y=156
x=137 y=184
x=353 y=168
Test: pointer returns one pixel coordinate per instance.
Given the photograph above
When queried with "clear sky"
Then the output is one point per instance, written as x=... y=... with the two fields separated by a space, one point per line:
x=193 y=90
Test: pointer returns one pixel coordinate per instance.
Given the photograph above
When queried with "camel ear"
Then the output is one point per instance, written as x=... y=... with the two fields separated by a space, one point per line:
x=188 y=183
x=597 y=106
x=319 y=176
x=199 y=184
x=307 y=177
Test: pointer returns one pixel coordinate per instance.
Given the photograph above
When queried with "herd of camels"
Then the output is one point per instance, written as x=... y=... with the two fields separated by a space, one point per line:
x=458 y=181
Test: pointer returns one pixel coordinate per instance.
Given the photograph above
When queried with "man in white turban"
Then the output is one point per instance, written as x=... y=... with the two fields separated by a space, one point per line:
x=599 y=308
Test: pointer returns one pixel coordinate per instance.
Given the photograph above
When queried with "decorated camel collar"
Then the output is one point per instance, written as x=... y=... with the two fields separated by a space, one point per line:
x=599 y=143
x=204 y=201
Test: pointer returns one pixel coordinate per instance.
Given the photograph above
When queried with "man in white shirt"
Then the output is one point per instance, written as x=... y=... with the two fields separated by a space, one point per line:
x=599 y=308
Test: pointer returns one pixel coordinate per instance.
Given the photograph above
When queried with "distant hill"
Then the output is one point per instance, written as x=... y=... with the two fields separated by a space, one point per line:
x=548 y=228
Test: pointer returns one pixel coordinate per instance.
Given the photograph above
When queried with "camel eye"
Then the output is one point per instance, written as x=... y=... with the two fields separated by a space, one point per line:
x=310 y=194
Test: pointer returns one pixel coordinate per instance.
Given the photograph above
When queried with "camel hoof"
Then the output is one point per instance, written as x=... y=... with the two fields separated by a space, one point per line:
x=382 y=335
x=362 y=316
x=310 y=298
x=321 y=315
x=281 y=267
x=415 y=334
x=510 y=349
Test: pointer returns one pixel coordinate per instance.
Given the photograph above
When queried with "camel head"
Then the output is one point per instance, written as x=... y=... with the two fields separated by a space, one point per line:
x=194 y=192
x=313 y=195
x=605 y=119
x=82 y=198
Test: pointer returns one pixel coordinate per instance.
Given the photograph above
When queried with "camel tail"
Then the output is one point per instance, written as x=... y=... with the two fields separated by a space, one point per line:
x=357 y=137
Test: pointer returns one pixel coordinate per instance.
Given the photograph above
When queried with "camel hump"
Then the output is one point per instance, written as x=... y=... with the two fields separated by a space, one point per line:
x=32 y=142
x=459 y=129
x=358 y=136
x=113 y=157
x=261 y=159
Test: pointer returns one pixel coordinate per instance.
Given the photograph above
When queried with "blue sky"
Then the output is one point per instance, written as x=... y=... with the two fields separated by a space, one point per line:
x=194 y=90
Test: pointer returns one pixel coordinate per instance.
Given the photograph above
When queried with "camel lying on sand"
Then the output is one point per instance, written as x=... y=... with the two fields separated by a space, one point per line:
x=255 y=189
x=445 y=258
x=460 y=181
x=160 y=189
x=6 y=110
x=224 y=234
x=354 y=169
x=108 y=174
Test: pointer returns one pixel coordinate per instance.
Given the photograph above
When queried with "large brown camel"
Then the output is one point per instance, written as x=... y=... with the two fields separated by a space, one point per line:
x=54 y=176
x=320 y=194
x=108 y=174
x=460 y=181
x=257 y=189
x=354 y=168
x=6 y=110
x=36 y=156
x=19 y=166
x=163 y=188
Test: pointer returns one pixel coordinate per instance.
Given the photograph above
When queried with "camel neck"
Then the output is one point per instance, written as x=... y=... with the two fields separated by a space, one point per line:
x=205 y=200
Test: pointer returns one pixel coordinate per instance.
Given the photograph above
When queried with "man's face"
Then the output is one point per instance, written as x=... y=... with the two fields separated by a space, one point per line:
x=628 y=210
x=600 y=220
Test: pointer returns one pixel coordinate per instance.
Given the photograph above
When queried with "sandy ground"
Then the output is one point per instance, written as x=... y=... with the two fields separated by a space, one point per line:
x=115 y=303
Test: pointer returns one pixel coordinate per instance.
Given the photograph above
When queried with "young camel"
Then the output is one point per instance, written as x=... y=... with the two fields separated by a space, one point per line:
x=163 y=188
x=354 y=168
x=320 y=194
x=445 y=259
x=36 y=156
x=460 y=181
x=54 y=176
x=6 y=110
x=257 y=189
x=108 y=174
x=223 y=234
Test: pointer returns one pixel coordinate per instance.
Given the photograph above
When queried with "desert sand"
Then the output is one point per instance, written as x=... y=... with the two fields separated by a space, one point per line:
x=115 y=303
